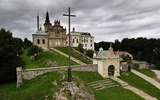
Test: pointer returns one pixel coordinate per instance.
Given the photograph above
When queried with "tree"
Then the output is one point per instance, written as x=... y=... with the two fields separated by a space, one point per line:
x=10 y=49
x=34 y=51
x=27 y=43
x=89 y=53
x=80 y=47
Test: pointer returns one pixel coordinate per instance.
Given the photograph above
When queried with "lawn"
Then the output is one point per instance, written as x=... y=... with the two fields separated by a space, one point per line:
x=141 y=84
x=115 y=93
x=73 y=54
x=45 y=57
x=42 y=88
x=148 y=72
x=39 y=88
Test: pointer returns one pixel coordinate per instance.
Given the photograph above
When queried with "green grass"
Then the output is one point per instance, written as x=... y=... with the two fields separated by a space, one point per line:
x=45 y=57
x=42 y=87
x=148 y=72
x=141 y=84
x=73 y=54
x=39 y=88
x=115 y=93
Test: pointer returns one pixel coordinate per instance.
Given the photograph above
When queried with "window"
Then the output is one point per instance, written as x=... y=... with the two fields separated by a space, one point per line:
x=73 y=40
x=43 y=41
x=77 y=40
x=91 y=40
x=85 y=45
x=91 y=45
x=38 y=41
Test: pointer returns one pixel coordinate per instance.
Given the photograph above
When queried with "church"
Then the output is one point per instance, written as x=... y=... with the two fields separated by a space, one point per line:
x=55 y=35
x=52 y=36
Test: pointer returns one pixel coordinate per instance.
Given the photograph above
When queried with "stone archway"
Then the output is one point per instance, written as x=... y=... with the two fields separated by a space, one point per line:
x=111 y=70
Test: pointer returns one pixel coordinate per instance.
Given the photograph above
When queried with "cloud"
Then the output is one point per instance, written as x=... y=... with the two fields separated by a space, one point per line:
x=106 y=20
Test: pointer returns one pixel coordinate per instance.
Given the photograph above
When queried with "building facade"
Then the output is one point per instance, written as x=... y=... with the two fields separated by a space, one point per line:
x=41 y=39
x=55 y=34
x=108 y=62
x=83 y=38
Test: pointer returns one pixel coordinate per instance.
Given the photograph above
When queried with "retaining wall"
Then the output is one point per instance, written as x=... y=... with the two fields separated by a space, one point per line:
x=31 y=73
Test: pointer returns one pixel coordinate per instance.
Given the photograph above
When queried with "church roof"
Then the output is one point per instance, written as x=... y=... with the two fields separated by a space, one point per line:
x=41 y=32
x=101 y=53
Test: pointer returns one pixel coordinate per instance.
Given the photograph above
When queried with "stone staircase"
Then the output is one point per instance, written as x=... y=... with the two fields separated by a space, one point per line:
x=102 y=84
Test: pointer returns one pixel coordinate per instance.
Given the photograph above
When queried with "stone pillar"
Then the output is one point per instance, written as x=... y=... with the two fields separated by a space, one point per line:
x=19 y=76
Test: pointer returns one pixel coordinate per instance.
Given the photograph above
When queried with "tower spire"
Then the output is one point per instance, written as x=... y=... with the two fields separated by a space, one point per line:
x=47 y=18
x=47 y=23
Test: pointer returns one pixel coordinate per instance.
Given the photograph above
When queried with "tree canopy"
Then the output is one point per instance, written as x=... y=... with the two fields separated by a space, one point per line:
x=10 y=49
x=142 y=49
x=34 y=51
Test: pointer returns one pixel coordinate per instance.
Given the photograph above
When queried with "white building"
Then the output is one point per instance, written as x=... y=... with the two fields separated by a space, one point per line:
x=83 y=38
x=108 y=62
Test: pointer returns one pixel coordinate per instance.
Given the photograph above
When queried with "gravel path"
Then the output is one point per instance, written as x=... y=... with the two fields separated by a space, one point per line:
x=157 y=73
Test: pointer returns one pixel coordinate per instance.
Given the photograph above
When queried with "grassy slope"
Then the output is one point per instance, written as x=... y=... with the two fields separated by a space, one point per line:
x=148 y=72
x=115 y=93
x=140 y=83
x=41 y=88
x=44 y=57
x=65 y=50
x=38 y=88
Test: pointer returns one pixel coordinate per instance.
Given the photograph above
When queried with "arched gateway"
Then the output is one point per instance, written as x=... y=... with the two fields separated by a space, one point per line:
x=111 y=70
x=108 y=62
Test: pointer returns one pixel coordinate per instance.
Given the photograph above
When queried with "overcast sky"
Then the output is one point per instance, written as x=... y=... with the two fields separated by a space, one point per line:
x=106 y=20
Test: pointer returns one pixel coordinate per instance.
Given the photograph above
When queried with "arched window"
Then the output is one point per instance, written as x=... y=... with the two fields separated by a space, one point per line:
x=43 y=41
x=38 y=41
x=73 y=40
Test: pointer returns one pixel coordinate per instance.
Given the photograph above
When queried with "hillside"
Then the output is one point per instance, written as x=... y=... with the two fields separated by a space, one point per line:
x=45 y=57
x=73 y=54
x=44 y=86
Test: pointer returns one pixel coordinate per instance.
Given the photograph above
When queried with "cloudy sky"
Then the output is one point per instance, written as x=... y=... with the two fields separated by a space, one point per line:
x=106 y=20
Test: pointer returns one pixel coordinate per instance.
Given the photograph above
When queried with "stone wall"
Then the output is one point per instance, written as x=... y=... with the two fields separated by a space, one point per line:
x=31 y=73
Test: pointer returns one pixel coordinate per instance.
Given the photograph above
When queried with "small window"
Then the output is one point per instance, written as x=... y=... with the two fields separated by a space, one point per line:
x=91 y=45
x=73 y=40
x=85 y=45
x=38 y=41
x=77 y=40
x=43 y=41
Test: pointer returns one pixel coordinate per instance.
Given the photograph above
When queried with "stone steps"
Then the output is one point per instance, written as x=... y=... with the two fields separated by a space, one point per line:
x=105 y=87
x=102 y=84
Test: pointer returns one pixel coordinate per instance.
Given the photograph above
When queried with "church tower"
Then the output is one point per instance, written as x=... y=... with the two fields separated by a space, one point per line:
x=47 y=23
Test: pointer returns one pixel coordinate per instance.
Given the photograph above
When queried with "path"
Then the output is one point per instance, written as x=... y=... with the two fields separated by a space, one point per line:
x=150 y=80
x=135 y=90
x=157 y=72
x=66 y=55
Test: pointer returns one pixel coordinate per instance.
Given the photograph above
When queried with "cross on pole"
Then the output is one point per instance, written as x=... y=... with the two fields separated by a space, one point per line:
x=69 y=68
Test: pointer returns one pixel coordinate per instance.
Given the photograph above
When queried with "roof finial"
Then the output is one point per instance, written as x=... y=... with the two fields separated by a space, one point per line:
x=111 y=45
